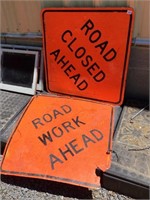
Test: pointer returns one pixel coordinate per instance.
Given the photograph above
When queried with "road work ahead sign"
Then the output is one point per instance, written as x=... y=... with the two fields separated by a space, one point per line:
x=87 y=51
x=61 y=139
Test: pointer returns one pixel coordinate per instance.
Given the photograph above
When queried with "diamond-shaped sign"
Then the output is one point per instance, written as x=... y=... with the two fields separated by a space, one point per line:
x=87 y=51
x=61 y=139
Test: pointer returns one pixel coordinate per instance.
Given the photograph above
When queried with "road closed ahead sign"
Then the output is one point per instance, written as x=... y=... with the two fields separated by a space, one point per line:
x=87 y=51
x=61 y=139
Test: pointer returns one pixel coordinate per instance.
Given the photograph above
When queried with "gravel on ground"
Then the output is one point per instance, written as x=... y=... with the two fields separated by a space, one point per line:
x=19 y=188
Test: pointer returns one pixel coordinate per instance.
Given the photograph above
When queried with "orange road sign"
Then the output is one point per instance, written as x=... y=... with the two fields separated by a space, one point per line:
x=61 y=139
x=87 y=51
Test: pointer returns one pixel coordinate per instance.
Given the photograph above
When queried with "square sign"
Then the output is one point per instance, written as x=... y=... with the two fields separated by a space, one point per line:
x=64 y=140
x=87 y=51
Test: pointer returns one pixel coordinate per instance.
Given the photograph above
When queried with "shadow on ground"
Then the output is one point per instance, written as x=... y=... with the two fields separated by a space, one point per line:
x=49 y=187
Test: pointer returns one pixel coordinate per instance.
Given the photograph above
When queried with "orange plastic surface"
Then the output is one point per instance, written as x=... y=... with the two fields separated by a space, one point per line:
x=87 y=51
x=61 y=139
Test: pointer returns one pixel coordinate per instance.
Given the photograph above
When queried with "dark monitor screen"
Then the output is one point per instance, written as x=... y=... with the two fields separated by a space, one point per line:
x=17 y=68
